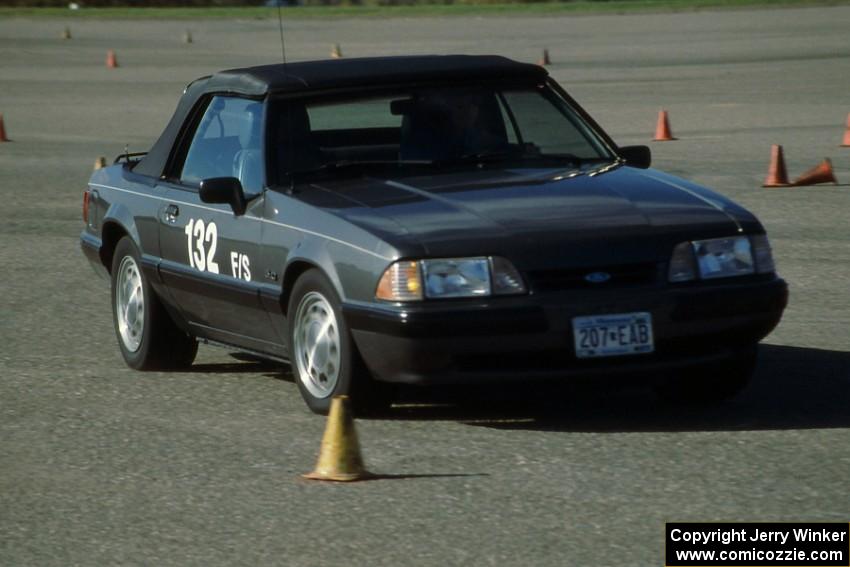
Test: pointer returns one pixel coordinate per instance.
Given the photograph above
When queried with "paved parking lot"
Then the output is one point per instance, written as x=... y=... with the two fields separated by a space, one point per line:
x=101 y=465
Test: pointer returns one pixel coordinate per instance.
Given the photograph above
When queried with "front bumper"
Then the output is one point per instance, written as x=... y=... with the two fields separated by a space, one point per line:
x=530 y=337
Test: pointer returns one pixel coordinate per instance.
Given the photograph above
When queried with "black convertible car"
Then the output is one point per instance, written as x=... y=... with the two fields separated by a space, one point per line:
x=423 y=220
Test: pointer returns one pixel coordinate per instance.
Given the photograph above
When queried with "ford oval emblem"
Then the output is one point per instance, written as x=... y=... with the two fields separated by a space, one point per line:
x=597 y=277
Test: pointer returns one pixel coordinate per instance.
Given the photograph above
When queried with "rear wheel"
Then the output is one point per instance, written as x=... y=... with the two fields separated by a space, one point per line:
x=147 y=336
x=714 y=383
x=324 y=359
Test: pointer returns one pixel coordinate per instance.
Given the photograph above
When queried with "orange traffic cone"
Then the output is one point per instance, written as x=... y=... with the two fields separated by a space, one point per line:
x=99 y=163
x=544 y=59
x=339 y=457
x=821 y=173
x=662 y=129
x=846 y=142
x=336 y=51
x=777 y=175
x=111 y=61
x=3 y=137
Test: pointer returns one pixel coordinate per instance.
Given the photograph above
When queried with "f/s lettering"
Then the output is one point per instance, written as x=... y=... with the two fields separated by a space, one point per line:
x=240 y=266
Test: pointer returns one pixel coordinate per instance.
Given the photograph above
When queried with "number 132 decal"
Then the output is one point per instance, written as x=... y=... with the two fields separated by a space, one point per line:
x=201 y=243
x=202 y=240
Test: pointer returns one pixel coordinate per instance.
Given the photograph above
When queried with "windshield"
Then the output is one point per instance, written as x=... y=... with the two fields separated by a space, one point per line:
x=434 y=126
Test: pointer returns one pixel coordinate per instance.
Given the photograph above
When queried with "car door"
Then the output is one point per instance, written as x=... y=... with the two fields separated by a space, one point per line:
x=210 y=255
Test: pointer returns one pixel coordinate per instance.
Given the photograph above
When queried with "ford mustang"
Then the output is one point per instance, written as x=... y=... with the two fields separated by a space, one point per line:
x=423 y=220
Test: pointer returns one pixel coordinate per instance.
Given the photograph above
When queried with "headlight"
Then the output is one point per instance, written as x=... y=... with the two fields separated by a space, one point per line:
x=724 y=257
x=720 y=258
x=457 y=277
x=449 y=278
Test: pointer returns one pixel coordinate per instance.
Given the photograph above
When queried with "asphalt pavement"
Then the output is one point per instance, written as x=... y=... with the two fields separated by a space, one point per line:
x=102 y=465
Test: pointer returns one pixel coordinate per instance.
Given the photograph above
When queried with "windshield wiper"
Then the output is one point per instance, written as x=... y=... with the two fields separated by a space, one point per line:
x=506 y=155
x=481 y=157
x=346 y=163
x=607 y=167
x=352 y=164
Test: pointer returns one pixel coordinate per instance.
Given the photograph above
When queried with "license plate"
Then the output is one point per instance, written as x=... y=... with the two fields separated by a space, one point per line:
x=613 y=335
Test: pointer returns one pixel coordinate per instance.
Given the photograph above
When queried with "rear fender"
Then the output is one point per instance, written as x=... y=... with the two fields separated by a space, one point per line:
x=119 y=222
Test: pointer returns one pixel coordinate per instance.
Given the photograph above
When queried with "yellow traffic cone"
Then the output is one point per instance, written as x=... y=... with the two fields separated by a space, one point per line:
x=339 y=457
x=99 y=163
x=336 y=51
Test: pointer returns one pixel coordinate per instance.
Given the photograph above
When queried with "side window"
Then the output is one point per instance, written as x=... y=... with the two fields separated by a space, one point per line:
x=228 y=143
x=541 y=123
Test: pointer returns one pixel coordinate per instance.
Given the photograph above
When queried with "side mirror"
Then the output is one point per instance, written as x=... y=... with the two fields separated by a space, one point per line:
x=637 y=156
x=224 y=190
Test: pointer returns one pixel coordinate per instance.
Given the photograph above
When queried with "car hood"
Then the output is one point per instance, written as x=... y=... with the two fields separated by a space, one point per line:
x=537 y=218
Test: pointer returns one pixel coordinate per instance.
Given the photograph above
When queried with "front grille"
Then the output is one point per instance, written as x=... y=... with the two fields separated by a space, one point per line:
x=574 y=278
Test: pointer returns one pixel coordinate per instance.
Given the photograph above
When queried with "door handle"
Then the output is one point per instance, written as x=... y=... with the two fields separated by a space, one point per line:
x=171 y=213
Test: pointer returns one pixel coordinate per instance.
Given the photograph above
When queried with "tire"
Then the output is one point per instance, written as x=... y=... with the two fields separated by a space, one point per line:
x=334 y=368
x=147 y=336
x=714 y=384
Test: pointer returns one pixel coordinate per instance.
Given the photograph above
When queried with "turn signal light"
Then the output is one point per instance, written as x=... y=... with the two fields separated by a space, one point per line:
x=683 y=266
x=401 y=282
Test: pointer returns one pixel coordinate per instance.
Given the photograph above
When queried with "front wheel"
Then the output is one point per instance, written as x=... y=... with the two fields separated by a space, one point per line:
x=323 y=357
x=147 y=336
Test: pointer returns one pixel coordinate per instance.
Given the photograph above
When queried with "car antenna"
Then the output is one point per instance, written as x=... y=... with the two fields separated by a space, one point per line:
x=288 y=107
x=282 y=42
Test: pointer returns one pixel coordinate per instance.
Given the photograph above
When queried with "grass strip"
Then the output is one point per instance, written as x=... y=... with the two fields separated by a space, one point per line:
x=462 y=8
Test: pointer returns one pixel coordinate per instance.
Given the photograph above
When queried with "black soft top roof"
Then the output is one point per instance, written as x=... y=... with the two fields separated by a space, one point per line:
x=331 y=74
x=337 y=73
